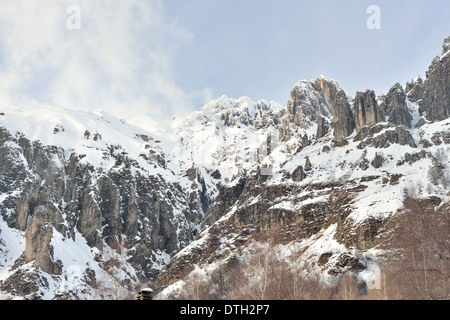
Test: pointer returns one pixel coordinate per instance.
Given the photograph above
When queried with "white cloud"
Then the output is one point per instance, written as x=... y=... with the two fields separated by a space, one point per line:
x=120 y=60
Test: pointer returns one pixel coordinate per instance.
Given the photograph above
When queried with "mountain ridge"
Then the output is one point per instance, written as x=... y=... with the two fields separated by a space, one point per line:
x=85 y=197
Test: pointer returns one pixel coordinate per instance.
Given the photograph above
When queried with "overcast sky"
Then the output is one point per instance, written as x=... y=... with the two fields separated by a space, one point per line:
x=155 y=58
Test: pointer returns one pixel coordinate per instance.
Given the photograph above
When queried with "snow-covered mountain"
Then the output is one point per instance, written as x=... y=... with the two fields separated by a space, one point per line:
x=76 y=185
x=87 y=198
x=338 y=171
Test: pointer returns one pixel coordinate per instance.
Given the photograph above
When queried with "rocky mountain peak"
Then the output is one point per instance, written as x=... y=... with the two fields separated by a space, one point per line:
x=315 y=107
x=235 y=112
x=328 y=90
x=309 y=100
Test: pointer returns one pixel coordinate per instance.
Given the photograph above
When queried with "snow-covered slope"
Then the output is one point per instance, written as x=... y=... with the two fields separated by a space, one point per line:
x=227 y=135
x=85 y=133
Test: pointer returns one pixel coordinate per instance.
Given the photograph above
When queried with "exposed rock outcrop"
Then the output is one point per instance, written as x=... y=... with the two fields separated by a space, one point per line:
x=399 y=135
x=395 y=107
x=47 y=193
x=436 y=96
x=328 y=89
x=366 y=110
x=38 y=237
x=414 y=90
x=318 y=101
x=338 y=105
x=304 y=105
x=298 y=174
x=343 y=119
x=322 y=127
x=310 y=100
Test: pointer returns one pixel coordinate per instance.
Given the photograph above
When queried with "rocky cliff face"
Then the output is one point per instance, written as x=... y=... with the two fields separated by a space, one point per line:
x=367 y=111
x=338 y=181
x=86 y=196
x=394 y=106
x=50 y=192
x=318 y=102
x=343 y=117
x=437 y=87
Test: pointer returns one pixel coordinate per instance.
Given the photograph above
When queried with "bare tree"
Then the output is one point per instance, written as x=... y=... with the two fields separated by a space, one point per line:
x=114 y=267
x=269 y=275
x=439 y=173
x=196 y=286
x=423 y=271
x=347 y=288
